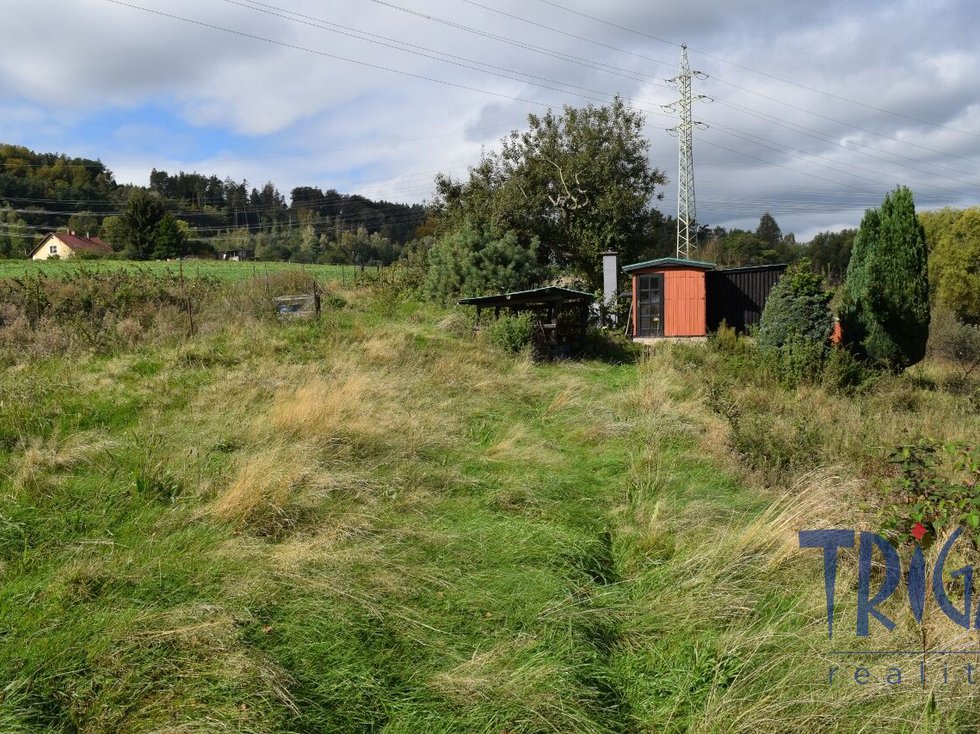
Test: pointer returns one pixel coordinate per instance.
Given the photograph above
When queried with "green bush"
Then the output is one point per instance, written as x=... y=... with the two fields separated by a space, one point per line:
x=795 y=326
x=611 y=346
x=954 y=266
x=797 y=307
x=797 y=360
x=954 y=340
x=512 y=333
x=843 y=372
x=728 y=341
x=936 y=484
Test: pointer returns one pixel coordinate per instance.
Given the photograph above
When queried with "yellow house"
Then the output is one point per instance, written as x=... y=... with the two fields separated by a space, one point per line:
x=66 y=244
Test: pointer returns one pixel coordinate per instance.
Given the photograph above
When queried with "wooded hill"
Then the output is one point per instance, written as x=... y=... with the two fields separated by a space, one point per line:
x=40 y=192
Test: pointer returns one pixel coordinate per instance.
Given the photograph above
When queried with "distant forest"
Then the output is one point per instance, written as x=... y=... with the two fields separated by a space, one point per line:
x=43 y=192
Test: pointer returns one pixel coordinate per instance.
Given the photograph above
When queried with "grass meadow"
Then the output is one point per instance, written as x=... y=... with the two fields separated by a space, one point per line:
x=216 y=269
x=377 y=522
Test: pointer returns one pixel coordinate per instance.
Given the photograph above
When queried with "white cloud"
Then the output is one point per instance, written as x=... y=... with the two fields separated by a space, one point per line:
x=814 y=160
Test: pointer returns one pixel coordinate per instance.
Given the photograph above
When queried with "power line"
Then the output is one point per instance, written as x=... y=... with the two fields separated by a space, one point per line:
x=565 y=33
x=765 y=143
x=808 y=174
x=723 y=81
x=560 y=55
x=848 y=124
x=636 y=77
x=759 y=72
x=325 y=54
x=251 y=158
x=417 y=50
x=827 y=138
x=645 y=79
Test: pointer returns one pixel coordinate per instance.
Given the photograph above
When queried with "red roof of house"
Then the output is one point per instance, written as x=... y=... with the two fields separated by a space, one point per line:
x=77 y=243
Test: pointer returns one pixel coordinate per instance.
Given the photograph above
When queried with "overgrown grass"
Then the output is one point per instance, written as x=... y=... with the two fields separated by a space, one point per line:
x=376 y=522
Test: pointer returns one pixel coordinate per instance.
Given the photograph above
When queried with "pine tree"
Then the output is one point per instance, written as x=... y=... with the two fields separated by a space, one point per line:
x=768 y=231
x=140 y=217
x=885 y=314
x=474 y=262
x=169 y=239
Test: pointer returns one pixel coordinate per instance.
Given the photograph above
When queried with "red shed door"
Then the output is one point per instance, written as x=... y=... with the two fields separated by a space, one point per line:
x=650 y=305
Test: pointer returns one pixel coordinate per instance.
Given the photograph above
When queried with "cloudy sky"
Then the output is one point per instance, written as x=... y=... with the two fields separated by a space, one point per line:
x=818 y=108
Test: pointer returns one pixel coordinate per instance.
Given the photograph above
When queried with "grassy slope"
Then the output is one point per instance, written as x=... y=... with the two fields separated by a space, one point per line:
x=221 y=270
x=369 y=524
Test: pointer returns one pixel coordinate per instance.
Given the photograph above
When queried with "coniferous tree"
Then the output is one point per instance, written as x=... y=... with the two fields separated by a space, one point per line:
x=768 y=231
x=169 y=239
x=140 y=218
x=474 y=262
x=885 y=313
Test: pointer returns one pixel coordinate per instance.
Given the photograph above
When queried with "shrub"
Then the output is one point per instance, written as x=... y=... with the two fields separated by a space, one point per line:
x=795 y=326
x=937 y=485
x=885 y=313
x=951 y=339
x=955 y=266
x=96 y=310
x=727 y=340
x=842 y=371
x=797 y=307
x=797 y=360
x=512 y=333
x=611 y=346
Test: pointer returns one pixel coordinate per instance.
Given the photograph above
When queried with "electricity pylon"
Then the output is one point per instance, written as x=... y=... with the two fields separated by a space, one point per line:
x=687 y=236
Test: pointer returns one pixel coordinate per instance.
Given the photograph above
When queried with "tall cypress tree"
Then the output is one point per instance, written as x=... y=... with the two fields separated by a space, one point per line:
x=885 y=313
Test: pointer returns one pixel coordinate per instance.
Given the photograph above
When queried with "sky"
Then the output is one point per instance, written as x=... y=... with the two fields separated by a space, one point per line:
x=813 y=111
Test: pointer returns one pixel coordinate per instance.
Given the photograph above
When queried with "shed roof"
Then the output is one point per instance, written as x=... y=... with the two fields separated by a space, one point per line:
x=670 y=262
x=548 y=294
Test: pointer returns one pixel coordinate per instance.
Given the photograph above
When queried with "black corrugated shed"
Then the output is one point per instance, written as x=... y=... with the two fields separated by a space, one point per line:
x=738 y=295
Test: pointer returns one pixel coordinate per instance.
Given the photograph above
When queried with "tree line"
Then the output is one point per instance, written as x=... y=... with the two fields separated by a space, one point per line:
x=42 y=192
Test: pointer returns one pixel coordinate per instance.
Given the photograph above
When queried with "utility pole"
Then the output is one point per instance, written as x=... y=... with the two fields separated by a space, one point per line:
x=687 y=235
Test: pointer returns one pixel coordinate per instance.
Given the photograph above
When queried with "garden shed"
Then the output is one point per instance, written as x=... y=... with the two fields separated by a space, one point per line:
x=673 y=297
x=669 y=298
x=562 y=314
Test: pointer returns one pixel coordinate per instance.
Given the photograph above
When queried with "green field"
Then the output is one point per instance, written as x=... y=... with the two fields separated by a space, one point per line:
x=376 y=522
x=223 y=270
